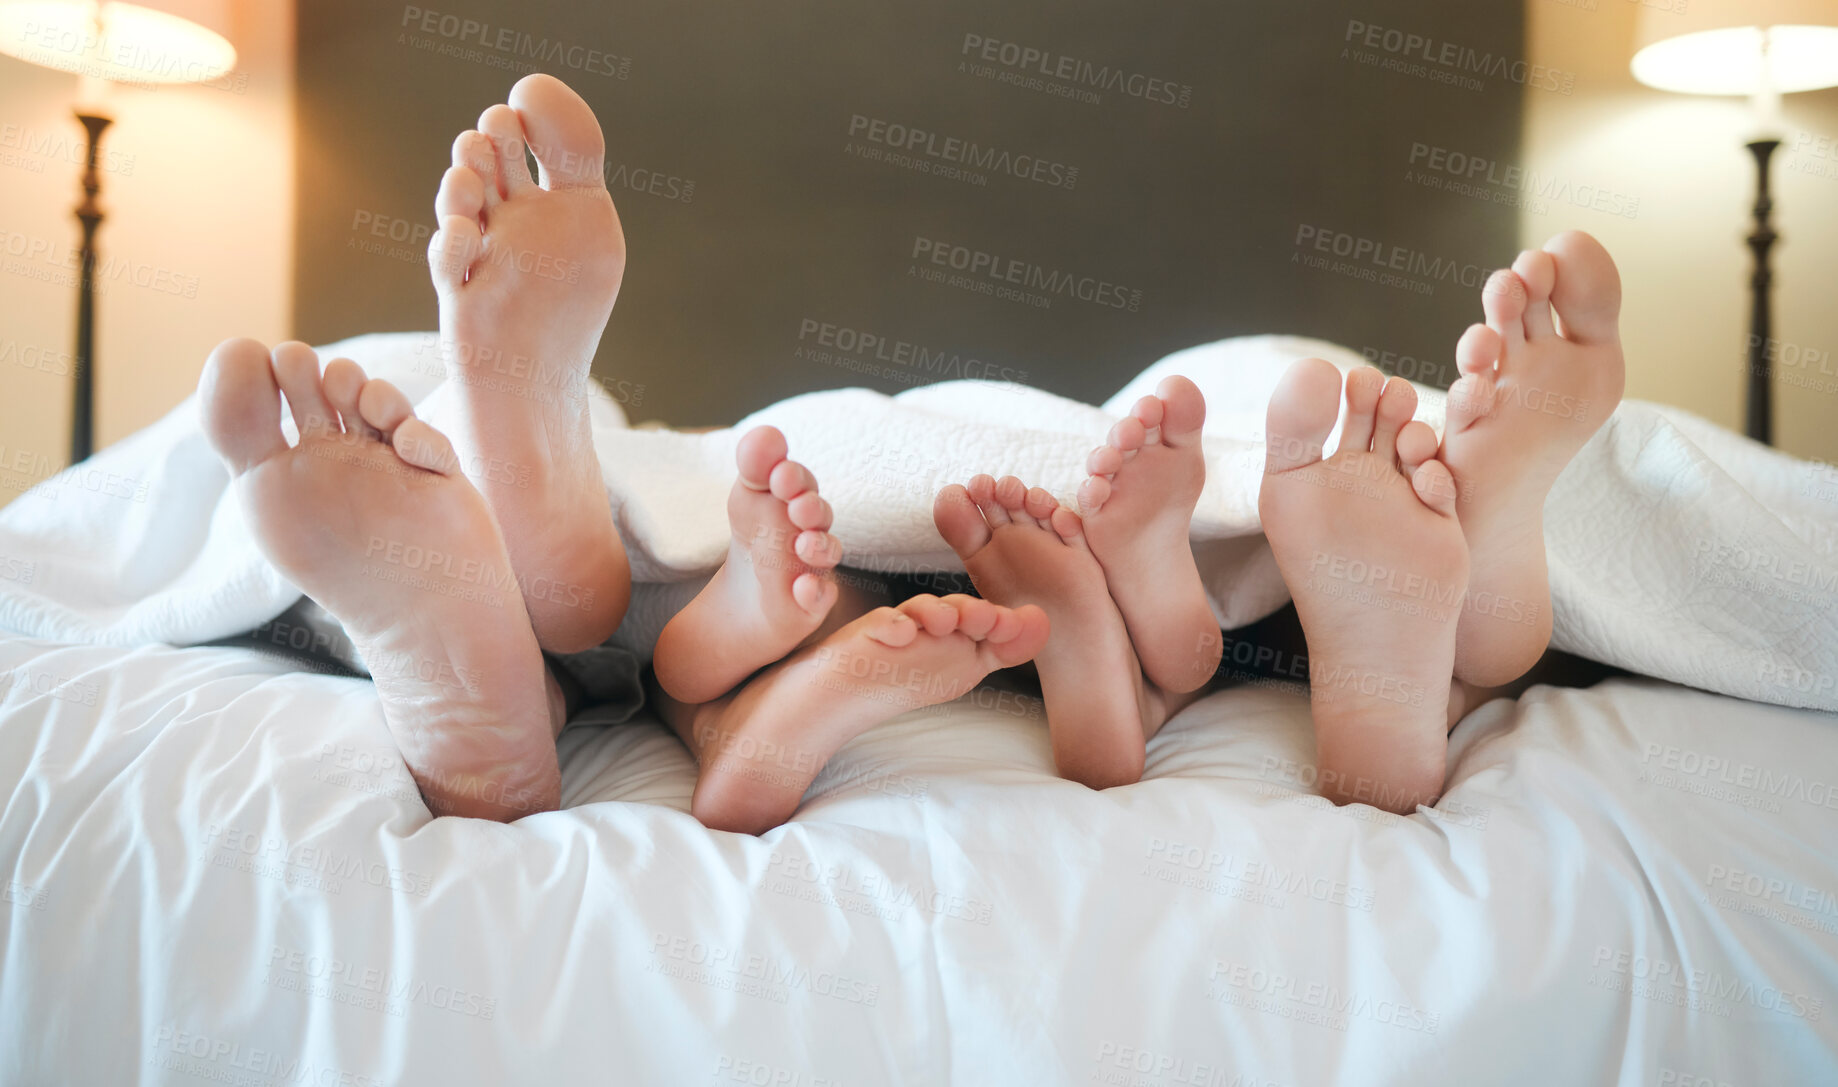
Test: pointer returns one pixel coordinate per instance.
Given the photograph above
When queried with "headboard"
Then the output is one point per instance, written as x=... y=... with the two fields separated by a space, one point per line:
x=820 y=193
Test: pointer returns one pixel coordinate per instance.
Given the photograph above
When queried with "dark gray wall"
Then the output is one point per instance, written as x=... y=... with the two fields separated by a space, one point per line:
x=1287 y=127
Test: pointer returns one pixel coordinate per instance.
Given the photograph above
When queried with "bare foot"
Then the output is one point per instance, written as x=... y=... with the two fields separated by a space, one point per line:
x=771 y=593
x=370 y=516
x=1138 y=513
x=1368 y=543
x=1022 y=547
x=761 y=748
x=1533 y=390
x=527 y=275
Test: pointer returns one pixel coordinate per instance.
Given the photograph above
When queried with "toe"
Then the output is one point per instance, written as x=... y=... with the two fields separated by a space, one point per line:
x=1470 y=398
x=976 y=617
x=1301 y=414
x=1503 y=301
x=1019 y=634
x=451 y=251
x=343 y=381
x=462 y=193
x=1397 y=403
x=818 y=550
x=1011 y=494
x=790 y=479
x=1093 y=493
x=1538 y=272
x=1416 y=444
x=384 y=406
x=959 y=521
x=296 y=367
x=1105 y=460
x=240 y=405
x=473 y=150
x=1587 y=291
x=1478 y=350
x=506 y=132
x=891 y=627
x=1364 y=386
x=983 y=492
x=937 y=617
x=1040 y=503
x=1071 y=528
x=814 y=593
x=562 y=130
x=809 y=511
x=424 y=447
x=761 y=449
x=1183 y=410
x=1435 y=487
x=1149 y=411
x=1128 y=435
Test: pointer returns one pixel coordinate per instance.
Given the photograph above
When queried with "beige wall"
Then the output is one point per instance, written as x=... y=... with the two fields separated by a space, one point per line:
x=199 y=197
x=1684 y=263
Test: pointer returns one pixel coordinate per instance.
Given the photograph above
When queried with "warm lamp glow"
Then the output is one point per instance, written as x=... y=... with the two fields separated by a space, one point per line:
x=1750 y=47
x=124 y=43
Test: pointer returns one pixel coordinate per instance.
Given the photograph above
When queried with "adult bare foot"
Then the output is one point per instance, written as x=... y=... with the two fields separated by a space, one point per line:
x=1368 y=543
x=370 y=516
x=527 y=275
x=1137 y=508
x=760 y=748
x=771 y=593
x=1022 y=547
x=1533 y=390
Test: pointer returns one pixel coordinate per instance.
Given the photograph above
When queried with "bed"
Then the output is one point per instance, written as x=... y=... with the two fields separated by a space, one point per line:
x=218 y=871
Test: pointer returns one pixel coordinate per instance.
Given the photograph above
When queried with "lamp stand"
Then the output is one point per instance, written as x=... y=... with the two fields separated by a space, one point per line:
x=1760 y=424
x=89 y=212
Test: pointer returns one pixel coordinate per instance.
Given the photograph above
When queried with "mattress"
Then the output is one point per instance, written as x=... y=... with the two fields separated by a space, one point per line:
x=217 y=870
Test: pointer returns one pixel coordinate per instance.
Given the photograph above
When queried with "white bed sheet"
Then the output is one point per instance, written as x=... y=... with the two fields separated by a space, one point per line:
x=217 y=872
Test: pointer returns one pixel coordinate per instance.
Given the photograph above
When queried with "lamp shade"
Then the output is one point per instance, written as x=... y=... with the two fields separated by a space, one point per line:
x=1717 y=46
x=161 y=41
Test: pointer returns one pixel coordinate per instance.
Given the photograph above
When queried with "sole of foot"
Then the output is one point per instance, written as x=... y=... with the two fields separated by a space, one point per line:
x=1538 y=379
x=1023 y=548
x=370 y=516
x=771 y=593
x=760 y=750
x=527 y=274
x=1137 y=508
x=1368 y=543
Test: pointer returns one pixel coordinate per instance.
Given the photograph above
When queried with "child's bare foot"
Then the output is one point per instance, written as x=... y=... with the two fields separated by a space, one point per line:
x=771 y=593
x=370 y=516
x=527 y=275
x=1368 y=543
x=1021 y=547
x=761 y=748
x=1138 y=513
x=1512 y=429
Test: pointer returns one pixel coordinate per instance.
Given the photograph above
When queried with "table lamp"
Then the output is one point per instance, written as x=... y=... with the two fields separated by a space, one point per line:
x=161 y=41
x=1762 y=49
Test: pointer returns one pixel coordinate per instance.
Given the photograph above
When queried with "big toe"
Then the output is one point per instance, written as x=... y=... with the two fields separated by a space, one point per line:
x=959 y=521
x=1183 y=410
x=1587 y=295
x=759 y=452
x=1301 y=415
x=241 y=404
x=563 y=133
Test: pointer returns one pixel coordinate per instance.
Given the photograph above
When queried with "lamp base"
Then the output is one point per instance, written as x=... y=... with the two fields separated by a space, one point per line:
x=1759 y=424
x=89 y=213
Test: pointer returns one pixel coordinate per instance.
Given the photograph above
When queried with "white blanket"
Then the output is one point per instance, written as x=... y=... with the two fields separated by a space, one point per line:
x=1677 y=549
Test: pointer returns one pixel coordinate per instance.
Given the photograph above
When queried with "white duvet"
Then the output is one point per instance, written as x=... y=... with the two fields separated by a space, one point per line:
x=217 y=870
